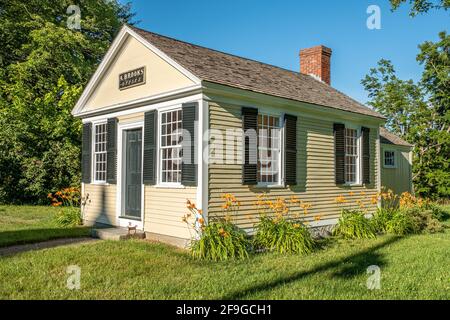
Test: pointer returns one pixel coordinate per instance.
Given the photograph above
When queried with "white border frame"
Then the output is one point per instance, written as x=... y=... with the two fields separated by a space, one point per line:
x=384 y=157
x=121 y=221
x=93 y=180
x=281 y=180
x=159 y=183
x=359 y=151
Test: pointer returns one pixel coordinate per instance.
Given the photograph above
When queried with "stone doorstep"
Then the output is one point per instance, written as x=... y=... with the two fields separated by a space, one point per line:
x=116 y=234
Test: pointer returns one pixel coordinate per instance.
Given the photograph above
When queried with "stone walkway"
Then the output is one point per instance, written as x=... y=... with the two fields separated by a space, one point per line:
x=44 y=245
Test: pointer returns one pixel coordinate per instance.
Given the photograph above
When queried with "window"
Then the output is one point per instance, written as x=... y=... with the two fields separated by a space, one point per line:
x=389 y=159
x=171 y=151
x=100 y=153
x=269 y=150
x=351 y=156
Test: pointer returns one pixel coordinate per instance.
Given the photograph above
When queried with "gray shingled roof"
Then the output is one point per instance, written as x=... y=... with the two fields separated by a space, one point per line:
x=388 y=137
x=226 y=69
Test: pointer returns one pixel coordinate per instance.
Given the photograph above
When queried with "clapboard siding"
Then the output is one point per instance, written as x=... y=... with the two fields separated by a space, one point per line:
x=397 y=179
x=315 y=170
x=164 y=208
x=101 y=205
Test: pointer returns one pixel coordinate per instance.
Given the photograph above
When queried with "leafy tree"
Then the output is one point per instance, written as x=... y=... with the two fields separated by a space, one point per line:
x=421 y=6
x=43 y=67
x=420 y=113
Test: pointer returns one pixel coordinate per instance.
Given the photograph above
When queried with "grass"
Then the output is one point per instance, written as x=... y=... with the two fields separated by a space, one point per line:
x=414 y=267
x=29 y=224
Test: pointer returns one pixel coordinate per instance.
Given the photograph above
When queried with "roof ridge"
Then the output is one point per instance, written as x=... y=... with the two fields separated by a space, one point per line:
x=249 y=59
x=306 y=78
x=223 y=52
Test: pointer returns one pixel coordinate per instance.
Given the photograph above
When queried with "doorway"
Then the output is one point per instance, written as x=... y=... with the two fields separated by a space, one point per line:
x=131 y=178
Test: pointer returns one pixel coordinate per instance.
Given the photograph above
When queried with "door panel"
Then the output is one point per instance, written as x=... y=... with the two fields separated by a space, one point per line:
x=133 y=173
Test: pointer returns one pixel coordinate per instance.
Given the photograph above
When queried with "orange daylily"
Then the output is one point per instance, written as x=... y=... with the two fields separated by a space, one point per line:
x=340 y=199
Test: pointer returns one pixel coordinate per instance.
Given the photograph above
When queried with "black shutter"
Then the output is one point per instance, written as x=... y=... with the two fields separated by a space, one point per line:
x=111 y=162
x=365 y=132
x=86 y=153
x=339 y=152
x=249 y=168
x=290 y=147
x=189 y=164
x=150 y=134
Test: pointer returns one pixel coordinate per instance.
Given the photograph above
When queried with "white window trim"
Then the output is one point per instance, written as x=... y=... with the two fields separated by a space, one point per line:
x=358 y=181
x=93 y=179
x=160 y=183
x=281 y=180
x=384 y=158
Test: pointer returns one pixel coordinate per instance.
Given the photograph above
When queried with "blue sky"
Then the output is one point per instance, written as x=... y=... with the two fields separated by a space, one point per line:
x=274 y=31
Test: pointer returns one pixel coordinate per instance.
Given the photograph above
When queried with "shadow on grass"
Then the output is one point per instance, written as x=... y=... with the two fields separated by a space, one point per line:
x=346 y=267
x=27 y=236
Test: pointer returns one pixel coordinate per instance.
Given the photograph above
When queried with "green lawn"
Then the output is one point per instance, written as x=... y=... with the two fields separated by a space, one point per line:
x=28 y=224
x=415 y=267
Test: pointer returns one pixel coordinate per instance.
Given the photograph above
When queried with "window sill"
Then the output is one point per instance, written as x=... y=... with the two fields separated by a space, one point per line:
x=168 y=186
x=273 y=186
x=98 y=183
x=389 y=167
x=353 y=185
x=130 y=218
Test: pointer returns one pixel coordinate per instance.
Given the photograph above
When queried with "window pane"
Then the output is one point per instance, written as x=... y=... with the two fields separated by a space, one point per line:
x=100 y=152
x=171 y=122
x=351 y=155
x=268 y=149
x=389 y=158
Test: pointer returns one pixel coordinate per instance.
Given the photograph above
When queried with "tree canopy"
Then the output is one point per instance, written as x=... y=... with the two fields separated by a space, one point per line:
x=43 y=67
x=421 y=6
x=419 y=112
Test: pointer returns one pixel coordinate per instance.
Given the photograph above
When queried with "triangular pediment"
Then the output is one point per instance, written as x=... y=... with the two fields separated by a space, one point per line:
x=132 y=70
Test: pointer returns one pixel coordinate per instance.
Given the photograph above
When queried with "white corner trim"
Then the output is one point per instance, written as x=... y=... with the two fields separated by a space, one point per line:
x=378 y=160
x=203 y=164
x=109 y=56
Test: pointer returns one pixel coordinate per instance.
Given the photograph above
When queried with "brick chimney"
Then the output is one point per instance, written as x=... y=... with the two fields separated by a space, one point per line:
x=316 y=61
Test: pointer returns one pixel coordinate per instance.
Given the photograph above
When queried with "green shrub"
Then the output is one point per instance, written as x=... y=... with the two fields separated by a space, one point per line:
x=380 y=219
x=402 y=223
x=438 y=212
x=68 y=217
x=220 y=240
x=354 y=225
x=424 y=220
x=283 y=236
x=408 y=220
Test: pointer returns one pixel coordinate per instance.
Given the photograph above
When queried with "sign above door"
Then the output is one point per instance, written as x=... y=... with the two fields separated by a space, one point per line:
x=132 y=78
